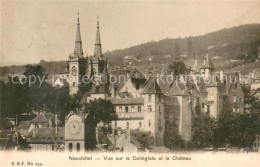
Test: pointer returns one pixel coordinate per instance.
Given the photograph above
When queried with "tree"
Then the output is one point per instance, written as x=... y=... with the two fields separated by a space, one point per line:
x=146 y=139
x=103 y=110
x=172 y=138
x=204 y=128
x=178 y=68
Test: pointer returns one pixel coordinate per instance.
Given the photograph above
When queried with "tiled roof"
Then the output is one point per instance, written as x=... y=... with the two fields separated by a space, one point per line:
x=44 y=118
x=48 y=135
x=128 y=101
x=171 y=101
x=151 y=87
x=24 y=125
x=174 y=90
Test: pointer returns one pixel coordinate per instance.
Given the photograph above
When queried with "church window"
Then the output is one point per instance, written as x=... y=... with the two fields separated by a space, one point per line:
x=137 y=86
x=149 y=108
x=73 y=83
x=140 y=124
x=52 y=147
x=139 y=108
x=149 y=123
x=149 y=98
x=126 y=109
x=70 y=147
x=78 y=147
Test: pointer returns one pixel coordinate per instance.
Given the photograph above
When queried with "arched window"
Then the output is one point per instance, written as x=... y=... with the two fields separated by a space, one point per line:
x=78 y=147
x=70 y=147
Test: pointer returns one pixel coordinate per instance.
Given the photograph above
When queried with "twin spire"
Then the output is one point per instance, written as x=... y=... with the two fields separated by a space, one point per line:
x=78 y=51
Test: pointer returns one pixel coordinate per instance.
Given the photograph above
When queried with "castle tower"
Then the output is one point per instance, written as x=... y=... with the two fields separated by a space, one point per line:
x=207 y=69
x=77 y=64
x=154 y=109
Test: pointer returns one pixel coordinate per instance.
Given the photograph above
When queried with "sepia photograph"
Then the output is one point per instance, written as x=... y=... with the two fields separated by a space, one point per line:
x=130 y=83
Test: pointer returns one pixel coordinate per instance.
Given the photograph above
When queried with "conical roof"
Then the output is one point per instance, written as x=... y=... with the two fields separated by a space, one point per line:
x=151 y=87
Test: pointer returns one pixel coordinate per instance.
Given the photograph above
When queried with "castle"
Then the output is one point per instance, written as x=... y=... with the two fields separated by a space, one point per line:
x=146 y=103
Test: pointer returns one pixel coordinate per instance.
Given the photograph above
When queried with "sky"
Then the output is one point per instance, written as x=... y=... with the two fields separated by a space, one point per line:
x=45 y=29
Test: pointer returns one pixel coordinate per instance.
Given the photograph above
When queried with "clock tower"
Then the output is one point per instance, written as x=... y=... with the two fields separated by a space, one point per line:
x=80 y=132
x=77 y=64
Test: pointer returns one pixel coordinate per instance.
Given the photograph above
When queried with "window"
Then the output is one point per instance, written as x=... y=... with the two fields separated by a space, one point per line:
x=202 y=105
x=149 y=108
x=49 y=138
x=140 y=124
x=149 y=98
x=70 y=147
x=137 y=86
x=78 y=147
x=120 y=109
x=73 y=83
x=61 y=138
x=149 y=123
x=52 y=147
x=133 y=109
x=139 y=108
x=126 y=109
x=234 y=109
x=55 y=138
x=208 y=109
x=235 y=98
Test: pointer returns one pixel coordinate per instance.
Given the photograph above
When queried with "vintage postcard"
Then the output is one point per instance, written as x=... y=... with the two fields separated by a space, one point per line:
x=130 y=83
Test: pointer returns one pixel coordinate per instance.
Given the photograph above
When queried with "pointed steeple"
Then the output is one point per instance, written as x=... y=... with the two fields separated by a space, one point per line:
x=78 y=52
x=98 y=50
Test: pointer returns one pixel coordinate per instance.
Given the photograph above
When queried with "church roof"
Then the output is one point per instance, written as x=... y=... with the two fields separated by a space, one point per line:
x=78 y=51
x=151 y=87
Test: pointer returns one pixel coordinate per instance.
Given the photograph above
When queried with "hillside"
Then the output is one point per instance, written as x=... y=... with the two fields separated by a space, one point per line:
x=239 y=42
x=226 y=43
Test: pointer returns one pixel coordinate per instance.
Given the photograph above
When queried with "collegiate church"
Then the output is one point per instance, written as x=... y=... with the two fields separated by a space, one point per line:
x=145 y=102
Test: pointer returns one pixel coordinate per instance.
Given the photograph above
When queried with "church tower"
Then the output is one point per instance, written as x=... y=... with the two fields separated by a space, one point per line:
x=77 y=64
x=97 y=64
